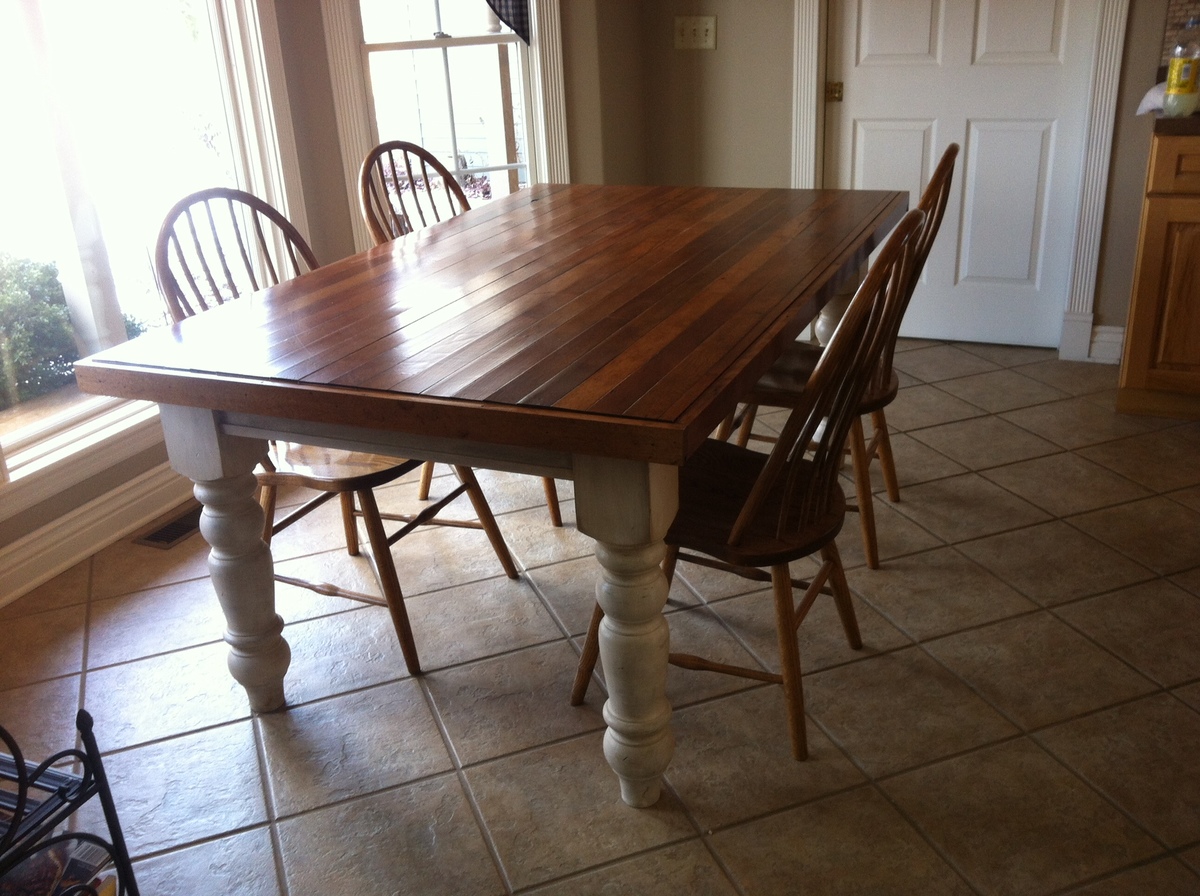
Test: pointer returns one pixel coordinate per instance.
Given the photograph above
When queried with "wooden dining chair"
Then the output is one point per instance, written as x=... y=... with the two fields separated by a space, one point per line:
x=219 y=244
x=403 y=187
x=752 y=514
x=785 y=382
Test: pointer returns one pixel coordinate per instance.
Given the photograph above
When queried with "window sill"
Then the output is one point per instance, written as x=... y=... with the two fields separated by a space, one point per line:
x=64 y=458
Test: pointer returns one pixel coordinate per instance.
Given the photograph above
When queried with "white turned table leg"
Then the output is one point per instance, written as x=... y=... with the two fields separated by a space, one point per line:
x=627 y=507
x=240 y=562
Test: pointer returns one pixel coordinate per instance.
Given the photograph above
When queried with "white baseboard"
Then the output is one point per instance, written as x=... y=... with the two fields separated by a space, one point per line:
x=1107 y=345
x=55 y=548
x=1075 y=341
x=1080 y=341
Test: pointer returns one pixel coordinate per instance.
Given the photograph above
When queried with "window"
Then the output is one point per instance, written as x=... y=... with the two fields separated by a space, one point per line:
x=448 y=75
x=122 y=108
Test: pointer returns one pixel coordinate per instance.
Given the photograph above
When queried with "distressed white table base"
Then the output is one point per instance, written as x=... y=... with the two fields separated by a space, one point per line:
x=626 y=506
x=222 y=468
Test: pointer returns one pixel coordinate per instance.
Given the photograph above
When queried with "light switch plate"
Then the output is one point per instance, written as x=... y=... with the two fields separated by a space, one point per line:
x=695 y=32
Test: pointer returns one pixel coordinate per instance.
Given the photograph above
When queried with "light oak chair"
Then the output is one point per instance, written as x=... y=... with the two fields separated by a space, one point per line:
x=219 y=244
x=752 y=514
x=403 y=187
x=785 y=382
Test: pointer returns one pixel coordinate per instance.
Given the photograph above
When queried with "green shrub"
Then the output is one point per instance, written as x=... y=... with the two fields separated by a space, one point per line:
x=37 y=344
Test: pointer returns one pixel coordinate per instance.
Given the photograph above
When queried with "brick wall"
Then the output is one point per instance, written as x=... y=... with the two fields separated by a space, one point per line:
x=1178 y=12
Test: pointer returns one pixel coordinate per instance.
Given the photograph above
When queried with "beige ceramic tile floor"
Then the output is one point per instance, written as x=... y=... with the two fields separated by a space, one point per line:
x=1024 y=716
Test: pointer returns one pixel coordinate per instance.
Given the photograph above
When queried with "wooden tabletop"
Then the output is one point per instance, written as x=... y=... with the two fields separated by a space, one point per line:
x=605 y=320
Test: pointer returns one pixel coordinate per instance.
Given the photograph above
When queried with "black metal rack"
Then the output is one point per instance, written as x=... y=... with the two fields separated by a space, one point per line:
x=35 y=801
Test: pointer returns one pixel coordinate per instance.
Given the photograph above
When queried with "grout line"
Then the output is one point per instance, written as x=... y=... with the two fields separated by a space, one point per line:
x=269 y=803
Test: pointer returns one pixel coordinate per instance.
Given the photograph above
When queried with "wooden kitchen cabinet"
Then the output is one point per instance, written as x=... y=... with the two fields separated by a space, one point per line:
x=1160 y=366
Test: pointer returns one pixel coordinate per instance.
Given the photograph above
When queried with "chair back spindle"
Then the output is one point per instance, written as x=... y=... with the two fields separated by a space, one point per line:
x=218 y=244
x=933 y=203
x=404 y=187
x=799 y=481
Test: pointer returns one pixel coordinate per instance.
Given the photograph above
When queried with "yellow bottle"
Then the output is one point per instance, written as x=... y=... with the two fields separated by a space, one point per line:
x=1183 y=72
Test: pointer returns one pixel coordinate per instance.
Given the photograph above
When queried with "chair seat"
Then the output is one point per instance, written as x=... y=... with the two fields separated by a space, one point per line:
x=713 y=485
x=334 y=469
x=782 y=385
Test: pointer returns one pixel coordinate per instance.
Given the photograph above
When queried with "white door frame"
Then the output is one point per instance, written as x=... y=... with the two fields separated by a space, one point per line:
x=1080 y=340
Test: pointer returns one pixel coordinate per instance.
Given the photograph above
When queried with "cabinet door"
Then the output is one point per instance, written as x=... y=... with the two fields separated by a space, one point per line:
x=1162 y=349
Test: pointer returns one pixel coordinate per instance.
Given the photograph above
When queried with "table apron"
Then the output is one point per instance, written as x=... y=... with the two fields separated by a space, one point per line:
x=507 y=458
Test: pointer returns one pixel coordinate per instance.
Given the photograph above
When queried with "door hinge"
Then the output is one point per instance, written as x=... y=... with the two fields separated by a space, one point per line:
x=833 y=91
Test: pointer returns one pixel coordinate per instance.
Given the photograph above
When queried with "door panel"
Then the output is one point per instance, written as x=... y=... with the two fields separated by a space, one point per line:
x=1004 y=201
x=1014 y=31
x=1009 y=80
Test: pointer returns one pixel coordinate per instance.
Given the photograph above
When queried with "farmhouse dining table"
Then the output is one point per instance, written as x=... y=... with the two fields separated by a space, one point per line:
x=591 y=333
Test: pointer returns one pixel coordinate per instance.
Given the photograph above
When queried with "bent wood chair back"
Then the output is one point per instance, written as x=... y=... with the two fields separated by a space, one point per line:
x=745 y=512
x=403 y=187
x=221 y=243
x=933 y=204
x=800 y=479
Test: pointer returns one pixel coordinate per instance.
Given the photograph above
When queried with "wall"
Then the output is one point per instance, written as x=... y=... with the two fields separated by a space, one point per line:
x=1127 y=170
x=602 y=48
x=721 y=117
x=581 y=80
x=1177 y=14
x=310 y=92
x=642 y=112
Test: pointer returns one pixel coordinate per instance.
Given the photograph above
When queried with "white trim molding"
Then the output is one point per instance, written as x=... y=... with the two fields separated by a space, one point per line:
x=548 y=86
x=808 y=93
x=1107 y=345
x=246 y=33
x=71 y=539
x=351 y=104
x=1076 y=342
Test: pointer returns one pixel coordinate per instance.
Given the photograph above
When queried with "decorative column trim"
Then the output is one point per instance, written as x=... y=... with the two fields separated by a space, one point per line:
x=808 y=76
x=1075 y=343
x=343 y=46
x=248 y=36
x=548 y=86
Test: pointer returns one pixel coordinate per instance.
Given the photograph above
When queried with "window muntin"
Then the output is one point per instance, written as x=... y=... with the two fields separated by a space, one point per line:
x=448 y=75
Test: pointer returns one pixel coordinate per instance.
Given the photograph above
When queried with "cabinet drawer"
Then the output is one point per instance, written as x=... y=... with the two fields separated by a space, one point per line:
x=1174 y=165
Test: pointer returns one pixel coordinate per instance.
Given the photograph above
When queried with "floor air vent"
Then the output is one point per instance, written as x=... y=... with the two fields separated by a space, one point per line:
x=173 y=531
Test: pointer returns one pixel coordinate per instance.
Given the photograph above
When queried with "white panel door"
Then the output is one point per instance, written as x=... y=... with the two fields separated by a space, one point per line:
x=1009 y=80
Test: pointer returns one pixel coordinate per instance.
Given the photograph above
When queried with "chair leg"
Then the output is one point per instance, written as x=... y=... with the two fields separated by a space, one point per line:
x=789 y=658
x=389 y=584
x=743 y=436
x=267 y=495
x=426 y=481
x=348 y=524
x=670 y=560
x=552 y=502
x=726 y=428
x=841 y=595
x=467 y=476
x=587 y=658
x=883 y=450
x=862 y=485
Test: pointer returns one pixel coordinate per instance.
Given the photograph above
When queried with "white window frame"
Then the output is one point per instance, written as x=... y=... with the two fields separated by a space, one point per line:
x=99 y=433
x=546 y=106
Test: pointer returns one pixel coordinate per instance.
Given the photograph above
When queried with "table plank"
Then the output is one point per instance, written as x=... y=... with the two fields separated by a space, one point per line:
x=561 y=316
